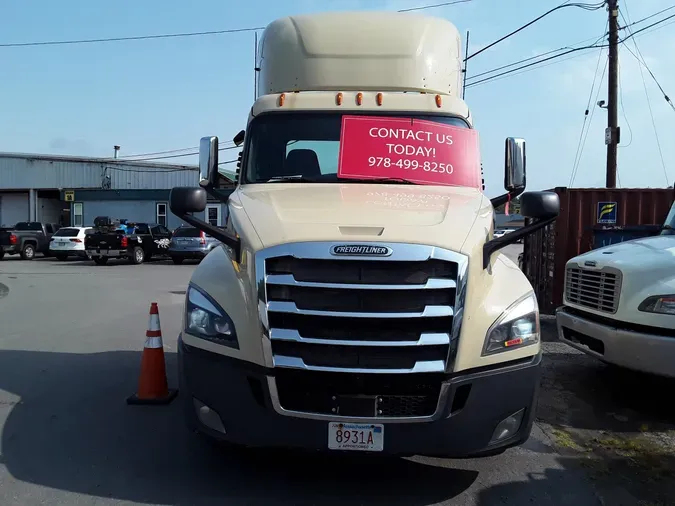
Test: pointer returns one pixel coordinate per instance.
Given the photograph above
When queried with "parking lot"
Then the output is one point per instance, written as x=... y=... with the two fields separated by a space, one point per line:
x=71 y=336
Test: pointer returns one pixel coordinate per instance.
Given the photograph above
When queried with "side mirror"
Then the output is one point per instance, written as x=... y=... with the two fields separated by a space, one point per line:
x=185 y=199
x=239 y=138
x=540 y=205
x=208 y=160
x=514 y=164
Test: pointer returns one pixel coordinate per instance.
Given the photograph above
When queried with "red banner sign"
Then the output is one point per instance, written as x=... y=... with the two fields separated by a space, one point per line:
x=420 y=151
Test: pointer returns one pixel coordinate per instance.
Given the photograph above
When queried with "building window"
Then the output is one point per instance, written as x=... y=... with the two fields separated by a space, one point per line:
x=161 y=213
x=78 y=218
x=213 y=214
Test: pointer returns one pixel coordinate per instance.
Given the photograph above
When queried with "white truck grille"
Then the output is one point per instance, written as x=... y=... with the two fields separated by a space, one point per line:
x=596 y=289
x=361 y=312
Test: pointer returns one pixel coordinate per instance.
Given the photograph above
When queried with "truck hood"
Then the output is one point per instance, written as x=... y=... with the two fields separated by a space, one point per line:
x=639 y=255
x=293 y=212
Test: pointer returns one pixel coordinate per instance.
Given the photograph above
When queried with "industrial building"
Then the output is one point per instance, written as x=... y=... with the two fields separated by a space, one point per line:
x=71 y=190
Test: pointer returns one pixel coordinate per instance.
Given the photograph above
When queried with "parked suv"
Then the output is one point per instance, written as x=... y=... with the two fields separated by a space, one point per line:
x=69 y=241
x=190 y=242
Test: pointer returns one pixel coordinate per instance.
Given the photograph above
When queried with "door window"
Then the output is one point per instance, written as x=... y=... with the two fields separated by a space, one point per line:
x=213 y=214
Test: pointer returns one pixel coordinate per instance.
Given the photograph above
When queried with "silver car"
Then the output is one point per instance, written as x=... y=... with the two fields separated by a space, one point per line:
x=190 y=243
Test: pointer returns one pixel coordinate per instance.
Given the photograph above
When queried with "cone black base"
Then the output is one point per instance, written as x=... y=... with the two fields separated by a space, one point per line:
x=135 y=400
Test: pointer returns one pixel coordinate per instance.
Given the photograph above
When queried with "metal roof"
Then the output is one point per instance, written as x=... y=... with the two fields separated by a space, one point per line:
x=22 y=171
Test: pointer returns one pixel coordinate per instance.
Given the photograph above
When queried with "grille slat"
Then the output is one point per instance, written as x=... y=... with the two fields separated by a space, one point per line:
x=597 y=289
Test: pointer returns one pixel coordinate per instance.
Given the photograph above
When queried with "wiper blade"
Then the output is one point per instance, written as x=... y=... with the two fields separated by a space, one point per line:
x=391 y=180
x=296 y=177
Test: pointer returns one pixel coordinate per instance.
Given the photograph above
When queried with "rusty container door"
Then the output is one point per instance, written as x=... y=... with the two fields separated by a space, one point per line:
x=583 y=211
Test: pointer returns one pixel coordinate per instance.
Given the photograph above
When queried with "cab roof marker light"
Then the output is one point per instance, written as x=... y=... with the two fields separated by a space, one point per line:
x=359 y=98
x=338 y=98
x=282 y=99
x=379 y=98
x=439 y=101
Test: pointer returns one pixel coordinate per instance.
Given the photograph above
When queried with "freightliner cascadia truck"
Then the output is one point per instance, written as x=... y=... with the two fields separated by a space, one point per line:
x=359 y=301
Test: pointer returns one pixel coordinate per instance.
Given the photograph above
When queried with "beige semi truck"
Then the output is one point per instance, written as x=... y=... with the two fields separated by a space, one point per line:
x=359 y=301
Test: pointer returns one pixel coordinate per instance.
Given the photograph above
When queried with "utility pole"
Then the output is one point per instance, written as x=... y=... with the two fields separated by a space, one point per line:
x=612 y=132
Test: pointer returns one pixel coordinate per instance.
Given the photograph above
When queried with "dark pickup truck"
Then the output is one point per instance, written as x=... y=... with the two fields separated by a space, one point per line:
x=136 y=242
x=26 y=238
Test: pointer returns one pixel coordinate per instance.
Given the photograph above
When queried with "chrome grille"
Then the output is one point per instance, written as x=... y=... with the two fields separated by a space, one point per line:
x=597 y=289
x=391 y=315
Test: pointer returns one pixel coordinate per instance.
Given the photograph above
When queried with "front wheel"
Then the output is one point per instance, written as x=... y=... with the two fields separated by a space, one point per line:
x=2 y=255
x=138 y=256
x=28 y=252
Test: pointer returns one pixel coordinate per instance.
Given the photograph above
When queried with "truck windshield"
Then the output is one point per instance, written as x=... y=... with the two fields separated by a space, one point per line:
x=305 y=147
x=669 y=225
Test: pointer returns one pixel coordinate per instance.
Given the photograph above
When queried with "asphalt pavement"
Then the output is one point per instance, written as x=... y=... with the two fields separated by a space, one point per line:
x=71 y=336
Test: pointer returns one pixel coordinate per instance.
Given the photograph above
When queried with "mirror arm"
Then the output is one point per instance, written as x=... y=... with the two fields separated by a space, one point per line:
x=503 y=199
x=218 y=233
x=496 y=244
x=221 y=194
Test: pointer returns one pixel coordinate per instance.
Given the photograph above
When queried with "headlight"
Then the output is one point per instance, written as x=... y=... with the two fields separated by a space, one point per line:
x=661 y=304
x=207 y=320
x=517 y=327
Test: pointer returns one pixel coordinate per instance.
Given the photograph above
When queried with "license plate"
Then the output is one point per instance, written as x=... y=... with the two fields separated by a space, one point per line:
x=364 y=437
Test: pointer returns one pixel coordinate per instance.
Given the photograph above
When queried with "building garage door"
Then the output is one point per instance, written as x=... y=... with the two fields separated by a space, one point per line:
x=13 y=208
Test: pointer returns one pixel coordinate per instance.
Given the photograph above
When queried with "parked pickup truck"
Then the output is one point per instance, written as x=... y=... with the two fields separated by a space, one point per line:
x=137 y=242
x=27 y=238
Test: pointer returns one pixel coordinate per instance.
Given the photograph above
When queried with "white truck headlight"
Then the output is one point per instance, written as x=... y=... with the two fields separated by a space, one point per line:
x=661 y=304
x=517 y=327
x=204 y=318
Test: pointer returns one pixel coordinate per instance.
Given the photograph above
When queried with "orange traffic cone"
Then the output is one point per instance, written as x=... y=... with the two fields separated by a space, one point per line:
x=152 y=383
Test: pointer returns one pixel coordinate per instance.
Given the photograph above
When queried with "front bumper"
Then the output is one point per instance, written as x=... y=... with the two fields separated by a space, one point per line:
x=645 y=352
x=242 y=409
x=187 y=254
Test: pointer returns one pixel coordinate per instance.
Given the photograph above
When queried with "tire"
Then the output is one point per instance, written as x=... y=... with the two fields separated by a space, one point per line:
x=137 y=256
x=100 y=260
x=60 y=257
x=28 y=252
x=177 y=260
x=2 y=255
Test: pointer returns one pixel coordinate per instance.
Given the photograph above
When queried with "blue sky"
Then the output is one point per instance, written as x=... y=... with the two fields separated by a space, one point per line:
x=157 y=95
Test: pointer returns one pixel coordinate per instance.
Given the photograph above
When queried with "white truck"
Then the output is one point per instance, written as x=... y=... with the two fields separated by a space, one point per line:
x=359 y=301
x=619 y=303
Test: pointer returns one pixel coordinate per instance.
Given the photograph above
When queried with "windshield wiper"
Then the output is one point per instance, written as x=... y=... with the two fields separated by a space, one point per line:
x=296 y=177
x=390 y=180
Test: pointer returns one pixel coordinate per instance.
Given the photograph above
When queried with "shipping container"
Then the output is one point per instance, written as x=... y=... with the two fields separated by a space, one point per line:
x=589 y=218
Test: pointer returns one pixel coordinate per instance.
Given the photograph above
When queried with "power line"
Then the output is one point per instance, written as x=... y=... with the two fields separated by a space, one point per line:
x=646 y=18
x=641 y=60
x=444 y=4
x=596 y=39
x=141 y=155
x=138 y=37
x=592 y=7
x=633 y=34
x=577 y=158
x=649 y=104
x=174 y=156
x=573 y=50
x=590 y=122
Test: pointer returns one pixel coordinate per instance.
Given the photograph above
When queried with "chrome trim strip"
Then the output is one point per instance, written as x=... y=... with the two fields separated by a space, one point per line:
x=289 y=280
x=274 y=395
x=290 y=307
x=294 y=336
x=298 y=363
